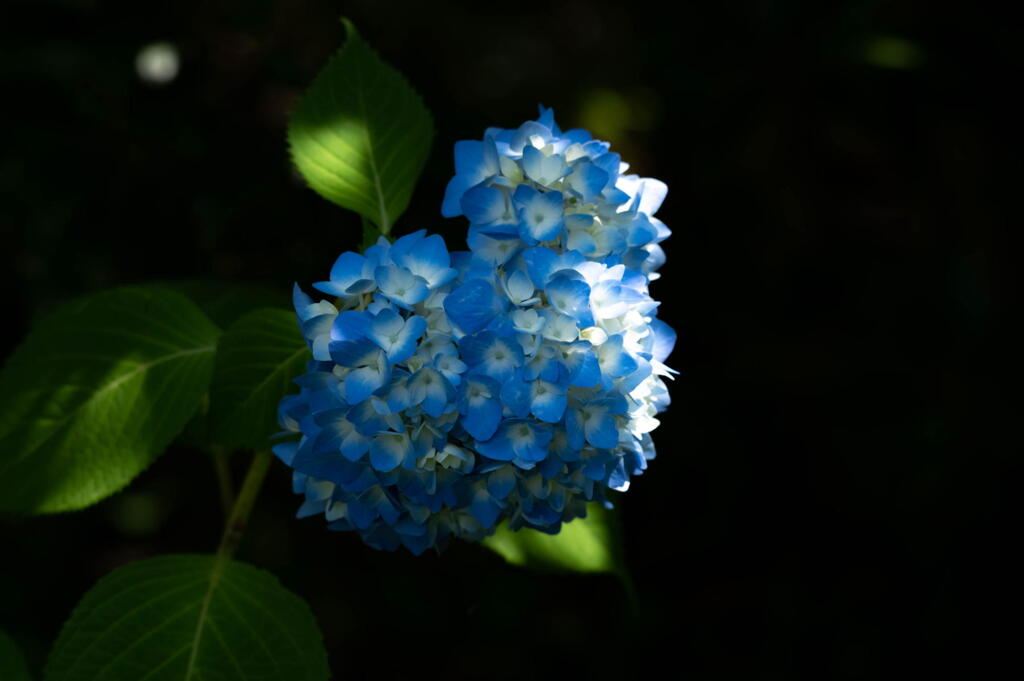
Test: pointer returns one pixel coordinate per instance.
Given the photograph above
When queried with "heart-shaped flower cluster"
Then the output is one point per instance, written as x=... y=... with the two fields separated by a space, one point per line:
x=518 y=380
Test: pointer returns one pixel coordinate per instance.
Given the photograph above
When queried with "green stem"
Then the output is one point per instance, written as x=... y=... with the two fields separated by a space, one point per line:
x=224 y=483
x=370 y=234
x=239 y=518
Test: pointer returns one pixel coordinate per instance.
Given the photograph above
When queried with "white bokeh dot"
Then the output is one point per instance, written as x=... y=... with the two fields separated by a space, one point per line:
x=157 y=63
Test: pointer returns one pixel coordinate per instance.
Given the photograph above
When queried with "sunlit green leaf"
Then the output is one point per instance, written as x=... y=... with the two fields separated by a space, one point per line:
x=588 y=544
x=95 y=394
x=259 y=356
x=188 y=618
x=12 y=664
x=360 y=135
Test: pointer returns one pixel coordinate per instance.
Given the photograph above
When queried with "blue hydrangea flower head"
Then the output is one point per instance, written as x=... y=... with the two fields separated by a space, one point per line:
x=517 y=381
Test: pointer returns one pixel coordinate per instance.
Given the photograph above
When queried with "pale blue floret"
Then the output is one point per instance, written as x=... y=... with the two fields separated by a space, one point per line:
x=588 y=181
x=401 y=286
x=540 y=215
x=473 y=305
x=480 y=406
x=542 y=168
x=425 y=257
x=521 y=441
x=396 y=335
x=486 y=206
x=352 y=274
x=389 y=450
x=491 y=355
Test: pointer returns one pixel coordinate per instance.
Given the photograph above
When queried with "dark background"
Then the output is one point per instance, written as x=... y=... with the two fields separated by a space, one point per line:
x=831 y=492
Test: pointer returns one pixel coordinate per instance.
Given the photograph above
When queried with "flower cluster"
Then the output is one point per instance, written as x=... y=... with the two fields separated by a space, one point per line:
x=518 y=380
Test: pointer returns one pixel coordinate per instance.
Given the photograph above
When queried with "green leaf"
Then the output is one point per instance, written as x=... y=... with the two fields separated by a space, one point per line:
x=360 y=134
x=95 y=394
x=189 y=617
x=225 y=301
x=259 y=356
x=12 y=664
x=590 y=544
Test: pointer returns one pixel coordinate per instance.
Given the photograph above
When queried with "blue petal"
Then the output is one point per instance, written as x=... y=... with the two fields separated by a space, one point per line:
x=601 y=431
x=380 y=501
x=614 y=361
x=515 y=394
x=498 y=447
x=361 y=383
x=527 y=130
x=519 y=286
x=542 y=169
x=474 y=159
x=584 y=371
x=429 y=259
x=494 y=251
x=540 y=263
x=324 y=462
x=484 y=205
x=570 y=296
x=653 y=194
x=481 y=421
x=354 y=445
x=588 y=180
x=473 y=305
x=389 y=450
x=401 y=286
x=354 y=353
x=361 y=514
x=348 y=276
x=540 y=215
x=431 y=390
x=350 y=325
x=285 y=451
x=632 y=380
x=453 y=193
x=547 y=118
x=300 y=300
x=574 y=430
x=404 y=244
x=548 y=401
x=664 y=339
x=481 y=414
x=395 y=335
x=641 y=232
x=525 y=441
x=501 y=482
x=610 y=163
x=485 y=509
x=491 y=355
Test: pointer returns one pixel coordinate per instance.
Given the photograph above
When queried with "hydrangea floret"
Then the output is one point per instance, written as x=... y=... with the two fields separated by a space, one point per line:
x=518 y=380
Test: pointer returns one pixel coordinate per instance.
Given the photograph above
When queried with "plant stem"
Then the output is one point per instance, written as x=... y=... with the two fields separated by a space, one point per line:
x=370 y=234
x=237 y=521
x=227 y=488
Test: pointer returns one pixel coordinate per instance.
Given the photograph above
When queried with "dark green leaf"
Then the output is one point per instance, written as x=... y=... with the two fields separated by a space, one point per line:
x=185 y=618
x=224 y=302
x=258 y=358
x=360 y=135
x=95 y=394
x=12 y=664
x=588 y=544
